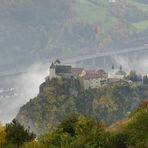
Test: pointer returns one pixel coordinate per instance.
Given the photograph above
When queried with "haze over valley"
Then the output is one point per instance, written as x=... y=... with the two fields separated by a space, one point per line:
x=35 y=32
x=74 y=73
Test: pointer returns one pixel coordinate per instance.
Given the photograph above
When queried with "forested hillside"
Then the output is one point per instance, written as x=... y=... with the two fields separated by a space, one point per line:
x=28 y=27
x=59 y=97
x=36 y=30
x=82 y=131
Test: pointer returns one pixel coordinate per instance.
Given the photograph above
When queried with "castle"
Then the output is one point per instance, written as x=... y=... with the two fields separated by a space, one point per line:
x=89 y=78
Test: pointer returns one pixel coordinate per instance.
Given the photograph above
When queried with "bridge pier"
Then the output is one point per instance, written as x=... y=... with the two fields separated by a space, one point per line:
x=145 y=52
x=93 y=62
x=104 y=61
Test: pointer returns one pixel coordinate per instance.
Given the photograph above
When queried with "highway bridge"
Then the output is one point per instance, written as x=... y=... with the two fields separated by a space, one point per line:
x=90 y=57
x=105 y=54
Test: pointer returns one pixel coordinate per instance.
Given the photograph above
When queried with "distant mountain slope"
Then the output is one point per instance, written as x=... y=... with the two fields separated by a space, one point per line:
x=35 y=30
x=141 y=1
x=26 y=28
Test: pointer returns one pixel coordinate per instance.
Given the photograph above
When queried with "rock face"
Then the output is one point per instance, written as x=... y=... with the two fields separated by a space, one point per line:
x=55 y=100
x=60 y=97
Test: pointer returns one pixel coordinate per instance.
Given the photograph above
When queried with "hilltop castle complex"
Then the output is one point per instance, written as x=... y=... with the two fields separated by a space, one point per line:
x=89 y=78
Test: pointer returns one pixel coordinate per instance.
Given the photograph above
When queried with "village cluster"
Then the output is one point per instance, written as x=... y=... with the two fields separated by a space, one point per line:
x=88 y=78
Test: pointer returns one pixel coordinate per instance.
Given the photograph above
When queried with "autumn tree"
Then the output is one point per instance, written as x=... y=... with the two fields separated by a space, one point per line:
x=2 y=135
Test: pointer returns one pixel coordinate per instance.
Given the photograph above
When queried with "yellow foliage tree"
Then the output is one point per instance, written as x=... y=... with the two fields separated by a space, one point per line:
x=2 y=135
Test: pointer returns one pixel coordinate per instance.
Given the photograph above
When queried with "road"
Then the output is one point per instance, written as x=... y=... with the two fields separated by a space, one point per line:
x=86 y=57
x=102 y=54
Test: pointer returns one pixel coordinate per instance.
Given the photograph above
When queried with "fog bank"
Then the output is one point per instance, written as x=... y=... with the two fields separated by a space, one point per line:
x=18 y=90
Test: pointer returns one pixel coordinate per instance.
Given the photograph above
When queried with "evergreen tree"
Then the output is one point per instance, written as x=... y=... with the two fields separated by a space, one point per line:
x=16 y=134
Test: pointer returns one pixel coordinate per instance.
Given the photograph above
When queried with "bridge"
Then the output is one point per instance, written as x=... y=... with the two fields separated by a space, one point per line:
x=103 y=54
x=92 y=57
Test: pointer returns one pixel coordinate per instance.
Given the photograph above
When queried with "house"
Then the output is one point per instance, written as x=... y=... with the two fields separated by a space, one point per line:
x=93 y=78
x=102 y=73
x=120 y=74
x=76 y=72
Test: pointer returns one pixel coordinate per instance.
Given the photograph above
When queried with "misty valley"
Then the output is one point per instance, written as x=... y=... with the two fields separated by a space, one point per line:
x=73 y=73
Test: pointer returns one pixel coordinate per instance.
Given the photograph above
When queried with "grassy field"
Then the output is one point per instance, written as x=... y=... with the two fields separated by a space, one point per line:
x=141 y=25
x=142 y=6
x=91 y=13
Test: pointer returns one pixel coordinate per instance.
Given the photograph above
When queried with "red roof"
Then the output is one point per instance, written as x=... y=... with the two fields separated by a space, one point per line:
x=101 y=72
x=93 y=74
x=77 y=70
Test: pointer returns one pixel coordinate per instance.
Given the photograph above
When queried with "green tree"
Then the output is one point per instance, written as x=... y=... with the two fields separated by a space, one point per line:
x=16 y=134
x=118 y=140
x=132 y=76
x=145 y=79
x=137 y=129
x=57 y=61
x=69 y=124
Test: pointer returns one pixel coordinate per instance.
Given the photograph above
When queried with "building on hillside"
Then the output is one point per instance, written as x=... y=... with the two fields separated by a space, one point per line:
x=76 y=72
x=88 y=78
x=118 y=81
x=65 y=71
x=102 y=73
x=120 y=74
x=57 y=71
x=93 y=79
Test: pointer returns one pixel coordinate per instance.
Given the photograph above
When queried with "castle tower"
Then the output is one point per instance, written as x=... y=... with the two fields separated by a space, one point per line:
x=52 y=71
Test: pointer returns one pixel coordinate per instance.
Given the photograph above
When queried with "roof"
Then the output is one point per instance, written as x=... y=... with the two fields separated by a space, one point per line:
x=121 y=72
x=93 y=74
x=76 y=70
x=63 y=69
x=52 y=65
x=101 y=72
